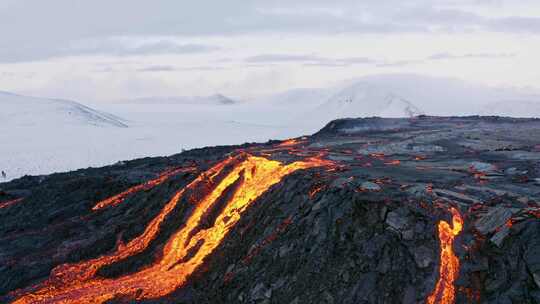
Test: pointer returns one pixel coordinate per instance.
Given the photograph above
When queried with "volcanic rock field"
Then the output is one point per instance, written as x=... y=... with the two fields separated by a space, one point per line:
x=373 y=210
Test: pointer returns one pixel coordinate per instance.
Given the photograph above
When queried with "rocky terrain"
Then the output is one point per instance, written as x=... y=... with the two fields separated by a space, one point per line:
x=420 y=210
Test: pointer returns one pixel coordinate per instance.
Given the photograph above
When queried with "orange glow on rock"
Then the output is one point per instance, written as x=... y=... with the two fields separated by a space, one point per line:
x=289 y=142
x=444 y=291
x=395 y=162
x=315 y=189
x=377 y=155
x=185 y=251
x=119 y=198
x=10 y=203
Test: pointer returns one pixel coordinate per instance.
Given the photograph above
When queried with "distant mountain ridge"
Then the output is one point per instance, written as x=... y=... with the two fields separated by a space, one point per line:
x=365 y=100
x=216 y=99
x=18 y=110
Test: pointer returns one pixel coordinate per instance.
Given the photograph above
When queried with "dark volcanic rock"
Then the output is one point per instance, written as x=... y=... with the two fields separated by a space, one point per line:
x=364 y=230
x=493 y=219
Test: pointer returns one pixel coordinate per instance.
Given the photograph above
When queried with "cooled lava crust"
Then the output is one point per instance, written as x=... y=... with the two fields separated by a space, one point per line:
x=421 y=210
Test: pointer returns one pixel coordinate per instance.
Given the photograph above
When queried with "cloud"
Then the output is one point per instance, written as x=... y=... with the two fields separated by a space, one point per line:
x=282 y=58
x=107 y=47
x=429 y=16
x=399 y=63
x=151 y=48
x=157 y=68
x=169 y=68
x=309 y=60
x=318 y=61
x=40 y=30
x=103 y=18
x=515 y=25
x=447 y=56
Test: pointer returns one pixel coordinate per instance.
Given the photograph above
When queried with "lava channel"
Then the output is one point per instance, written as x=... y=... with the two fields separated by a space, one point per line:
x=185 y=250
x=289 y=142
x=10 y=203
x=444 y=291
x=119 y=198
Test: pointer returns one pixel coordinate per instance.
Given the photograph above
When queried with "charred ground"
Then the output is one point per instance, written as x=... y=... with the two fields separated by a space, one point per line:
x=357 y=221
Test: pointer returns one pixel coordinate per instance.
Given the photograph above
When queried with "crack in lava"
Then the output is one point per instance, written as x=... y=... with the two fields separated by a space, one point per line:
x=183 y=253
x=444 y=291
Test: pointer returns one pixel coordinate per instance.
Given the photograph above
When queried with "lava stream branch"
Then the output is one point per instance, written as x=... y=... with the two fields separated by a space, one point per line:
x=186 y=249
x=10 y=203
x=444 y=291
x=119 y=198
x=72 y=274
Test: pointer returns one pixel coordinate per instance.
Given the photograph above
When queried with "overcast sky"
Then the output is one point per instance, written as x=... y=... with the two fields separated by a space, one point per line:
x=105 y=49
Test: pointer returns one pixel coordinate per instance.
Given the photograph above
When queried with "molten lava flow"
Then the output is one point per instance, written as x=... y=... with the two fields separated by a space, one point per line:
x=72 y=274
x=444 y=291
x=119 y=198
x=395 y=162
x=315 y=189
x=289 y=142
x=380 y=156
x=10 y=203
x=185 y=251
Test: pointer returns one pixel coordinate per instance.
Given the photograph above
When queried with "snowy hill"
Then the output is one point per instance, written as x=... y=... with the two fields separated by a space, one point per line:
x=303 y=111
x=364 y=100
x=23 y=111
x=432 y=95
x=440 y=95
x=41 y=136
x=514 y=108
x=216 y=99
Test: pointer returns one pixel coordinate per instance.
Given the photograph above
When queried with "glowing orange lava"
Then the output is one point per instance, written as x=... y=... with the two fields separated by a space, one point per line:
x=187 y=248
x=395 y=162
x=377 y=155
x=10 y=203
x=444 y=291
x=119 y=198
x=289 y=142
x=316 y=189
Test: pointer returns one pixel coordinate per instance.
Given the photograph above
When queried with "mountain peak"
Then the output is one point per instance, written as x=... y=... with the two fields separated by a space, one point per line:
x=364 y=100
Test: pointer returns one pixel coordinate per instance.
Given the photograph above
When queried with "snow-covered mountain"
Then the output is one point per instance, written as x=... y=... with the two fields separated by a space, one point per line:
x=216 y=99
x=364 y=100
x=24 y=111
x=303 y=111
x=431 y=95
x=514 y=108
x=446 y=96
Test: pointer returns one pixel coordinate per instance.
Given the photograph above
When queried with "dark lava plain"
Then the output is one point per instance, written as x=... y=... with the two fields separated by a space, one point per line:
x=364 y=231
